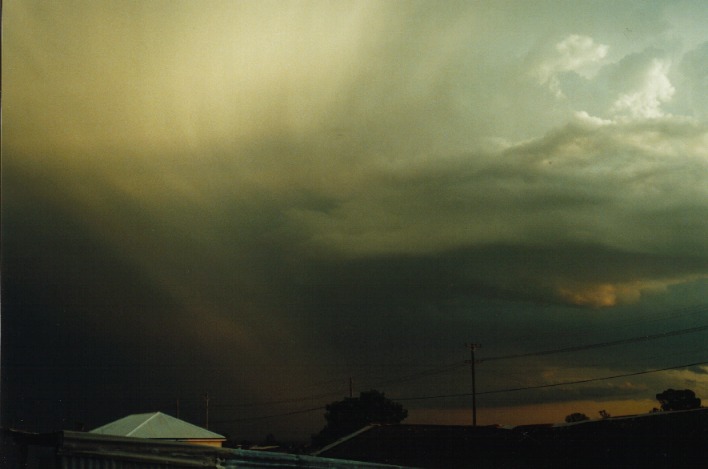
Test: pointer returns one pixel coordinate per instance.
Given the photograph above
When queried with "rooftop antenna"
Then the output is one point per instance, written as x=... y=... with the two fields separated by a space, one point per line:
x=206 y=405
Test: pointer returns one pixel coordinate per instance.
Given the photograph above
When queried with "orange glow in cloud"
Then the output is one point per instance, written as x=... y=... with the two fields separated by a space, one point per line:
x=601 y=295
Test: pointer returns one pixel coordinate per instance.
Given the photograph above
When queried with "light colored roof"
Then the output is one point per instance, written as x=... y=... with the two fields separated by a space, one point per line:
x=158 y=426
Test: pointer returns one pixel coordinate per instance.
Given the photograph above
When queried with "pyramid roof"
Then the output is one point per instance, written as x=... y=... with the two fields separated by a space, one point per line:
x=156 y=425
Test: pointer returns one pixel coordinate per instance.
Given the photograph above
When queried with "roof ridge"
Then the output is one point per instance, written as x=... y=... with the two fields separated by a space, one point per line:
x=146 y=421
x=346 y=438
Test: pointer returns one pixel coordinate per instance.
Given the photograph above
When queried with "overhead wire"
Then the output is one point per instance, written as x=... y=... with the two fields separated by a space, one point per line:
x=563 y=383
x=265 y=417
x=495 y=391
x=454 y=367
x=611 y=343
x=400 y=379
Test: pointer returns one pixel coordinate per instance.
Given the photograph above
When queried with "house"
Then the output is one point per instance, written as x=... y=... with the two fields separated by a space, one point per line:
x=159 y=426
x=68 y=449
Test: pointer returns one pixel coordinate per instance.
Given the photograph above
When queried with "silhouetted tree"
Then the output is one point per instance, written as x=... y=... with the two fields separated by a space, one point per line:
x=576 y=417
x=351 y=414
x=675 y=399
x=604 y=414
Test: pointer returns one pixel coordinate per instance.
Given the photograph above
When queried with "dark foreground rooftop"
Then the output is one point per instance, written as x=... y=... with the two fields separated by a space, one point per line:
x=661 y=440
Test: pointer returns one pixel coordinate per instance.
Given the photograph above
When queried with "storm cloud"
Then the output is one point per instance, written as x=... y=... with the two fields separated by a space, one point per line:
x=257 y=199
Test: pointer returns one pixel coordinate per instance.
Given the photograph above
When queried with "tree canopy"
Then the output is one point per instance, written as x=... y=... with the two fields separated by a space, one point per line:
x=678 y=399
x=351 y=414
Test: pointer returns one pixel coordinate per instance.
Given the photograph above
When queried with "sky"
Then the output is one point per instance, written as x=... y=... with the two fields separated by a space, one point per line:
x=273 y=204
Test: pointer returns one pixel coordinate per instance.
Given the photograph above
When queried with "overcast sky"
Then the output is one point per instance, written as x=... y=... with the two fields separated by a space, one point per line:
x=261 y=200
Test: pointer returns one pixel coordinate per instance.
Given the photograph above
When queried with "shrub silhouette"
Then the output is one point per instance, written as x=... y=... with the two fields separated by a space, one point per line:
x=576 y=417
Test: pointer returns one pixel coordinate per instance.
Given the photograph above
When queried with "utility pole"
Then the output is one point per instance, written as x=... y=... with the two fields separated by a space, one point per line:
x=351 y=388
x=471 y=361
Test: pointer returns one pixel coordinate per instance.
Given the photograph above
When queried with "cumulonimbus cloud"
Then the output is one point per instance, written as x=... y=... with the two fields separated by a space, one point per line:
x=626 y=186
x=646 y=100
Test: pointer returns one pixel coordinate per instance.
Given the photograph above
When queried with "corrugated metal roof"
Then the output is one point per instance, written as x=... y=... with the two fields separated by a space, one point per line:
x=156 y=425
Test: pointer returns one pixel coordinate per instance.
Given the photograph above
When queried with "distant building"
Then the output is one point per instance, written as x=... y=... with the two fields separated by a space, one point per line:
x=159 y=426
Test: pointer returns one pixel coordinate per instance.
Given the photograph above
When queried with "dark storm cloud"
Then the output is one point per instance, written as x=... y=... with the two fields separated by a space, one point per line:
x=576 y=188
x=389 y=262
x=258 y=199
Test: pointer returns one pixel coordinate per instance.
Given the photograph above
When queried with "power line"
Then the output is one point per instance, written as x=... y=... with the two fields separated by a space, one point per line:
x=590 y=380
x=400 y=379
x=425 y=373
x=456 y=366
x=284 y=401
x=578 y=348
x=564 y=383
x=265 y=417
x=422 y=374
x=496 y=391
